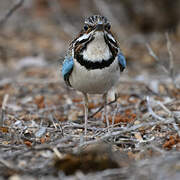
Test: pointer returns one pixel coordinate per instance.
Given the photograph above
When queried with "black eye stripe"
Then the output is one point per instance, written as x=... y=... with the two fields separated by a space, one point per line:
x=108 y=26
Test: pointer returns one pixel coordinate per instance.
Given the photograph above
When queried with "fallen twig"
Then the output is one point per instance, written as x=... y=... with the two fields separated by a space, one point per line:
x=175 y=124
x=171 y=59
x=151 y=111
x=7 y=164
x=91 y=116
x=126 y=130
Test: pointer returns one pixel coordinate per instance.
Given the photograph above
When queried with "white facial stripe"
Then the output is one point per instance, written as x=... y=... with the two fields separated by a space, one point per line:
x=110 y=37
x=83 y=37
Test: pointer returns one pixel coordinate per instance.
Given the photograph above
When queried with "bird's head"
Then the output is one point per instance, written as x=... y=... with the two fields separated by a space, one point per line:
x=95 y=24
x=96 y=29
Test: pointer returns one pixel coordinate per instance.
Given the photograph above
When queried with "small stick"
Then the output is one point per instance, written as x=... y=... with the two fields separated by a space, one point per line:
x=151 y=111
x=152 y=53
x=91 y=116
x=57 y=153
x=171 y=59
x=170 y=70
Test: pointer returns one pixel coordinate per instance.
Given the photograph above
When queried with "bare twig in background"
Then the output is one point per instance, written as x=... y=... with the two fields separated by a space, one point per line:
x=6 y=97
x=17 y=5
x=171 y=58
x=153 y=54
x=170 y=69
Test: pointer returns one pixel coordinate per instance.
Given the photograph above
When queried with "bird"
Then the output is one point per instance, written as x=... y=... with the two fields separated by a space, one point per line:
x=93 y=62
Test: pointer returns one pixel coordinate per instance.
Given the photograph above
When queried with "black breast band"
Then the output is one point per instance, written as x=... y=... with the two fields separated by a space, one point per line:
x=90 y=65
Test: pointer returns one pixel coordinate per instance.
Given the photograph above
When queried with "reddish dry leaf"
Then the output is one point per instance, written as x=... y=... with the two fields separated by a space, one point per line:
x=39 y=101
x=77 y=100
x=128 y=112
x=123 y=97
x=80 y=106
x=28 y=143
x=173 y=140
x=42 y=140
x=28 y=117
x=60 y=97
x=176 y=93
x=127 y=117
x=4 y=129
x=62 y=118
x=92 y=105
x=98 y=115
x=131 y=155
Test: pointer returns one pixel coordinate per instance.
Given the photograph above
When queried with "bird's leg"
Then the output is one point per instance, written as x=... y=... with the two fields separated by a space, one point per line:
x=85 y=112
x=105 y=110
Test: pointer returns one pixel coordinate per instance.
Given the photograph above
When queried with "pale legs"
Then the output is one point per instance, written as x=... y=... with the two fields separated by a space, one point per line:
x=105 y=110
x=85 y=112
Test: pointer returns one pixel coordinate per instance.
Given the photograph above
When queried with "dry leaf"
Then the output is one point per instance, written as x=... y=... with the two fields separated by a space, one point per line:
x=39 y=101
x=28 y=143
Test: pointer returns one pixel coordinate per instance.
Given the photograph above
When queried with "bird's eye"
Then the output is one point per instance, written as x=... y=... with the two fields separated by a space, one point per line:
x=86 y=27
x=108 y=26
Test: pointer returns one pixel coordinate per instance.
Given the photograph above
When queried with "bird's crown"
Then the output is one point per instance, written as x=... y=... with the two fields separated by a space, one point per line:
x=96 y=22
x=95 y=19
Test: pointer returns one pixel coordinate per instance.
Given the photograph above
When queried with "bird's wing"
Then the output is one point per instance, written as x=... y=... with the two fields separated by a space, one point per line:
x=67 y=68
x=122 y=61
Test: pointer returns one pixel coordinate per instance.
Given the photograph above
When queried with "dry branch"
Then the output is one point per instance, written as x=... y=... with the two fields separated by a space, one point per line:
x=91 y=116
x=171 y=58
x=170 y=69
x=16 y=6
x=151 y=111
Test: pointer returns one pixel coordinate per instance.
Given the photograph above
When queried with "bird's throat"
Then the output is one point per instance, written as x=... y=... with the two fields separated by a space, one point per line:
x=97 y=49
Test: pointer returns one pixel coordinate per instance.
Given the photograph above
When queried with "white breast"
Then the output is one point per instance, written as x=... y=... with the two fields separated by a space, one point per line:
x=97 y=81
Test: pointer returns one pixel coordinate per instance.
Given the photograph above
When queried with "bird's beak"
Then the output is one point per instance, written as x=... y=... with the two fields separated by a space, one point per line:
x=99 y=27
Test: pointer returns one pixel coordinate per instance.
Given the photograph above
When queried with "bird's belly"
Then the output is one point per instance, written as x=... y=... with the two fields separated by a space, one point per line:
x=95 y=81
